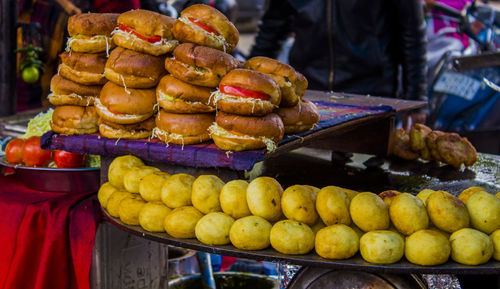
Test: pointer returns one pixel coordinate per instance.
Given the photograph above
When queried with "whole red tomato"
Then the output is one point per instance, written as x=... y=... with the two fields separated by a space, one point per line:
x=33 y=154
x=64 y=159
x=14 y=151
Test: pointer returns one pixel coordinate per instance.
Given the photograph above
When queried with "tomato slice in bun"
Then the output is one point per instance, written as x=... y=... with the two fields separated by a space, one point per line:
x=150 y=39
x=203 y=26
x=114 y=112
x=238 y=91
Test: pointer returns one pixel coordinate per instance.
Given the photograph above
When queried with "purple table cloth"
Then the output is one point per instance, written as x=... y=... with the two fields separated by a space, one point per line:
x=202 y=155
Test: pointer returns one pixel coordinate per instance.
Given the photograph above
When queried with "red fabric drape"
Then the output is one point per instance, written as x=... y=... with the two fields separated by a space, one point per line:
x=47 y=238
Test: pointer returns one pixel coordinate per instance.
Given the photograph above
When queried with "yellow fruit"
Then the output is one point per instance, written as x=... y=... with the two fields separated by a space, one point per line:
x=356 y=229
x=119 y=166
x=470 y=247
x=467 y=193
x=264 y=198
x=114 y=200
x=337 y=242
x=484 y=211
x=129 y=209
x=299 y=204
x=133 y=177
x=388 y=196
x=150 y=186
x=104 y=193
x=447 y=212
x=250 y=233
x=213 y=228
x=181 y=222
x=313 y=189
x=427 y=248
x=424 y=194
x=176 y=191
x=381 y=247
x=318 y=226
x=350 y=193
x=152 y=216
x=292 y=237
x=332 y=204
x=495 y=238
x=205 y=193
x=369 y=212
x=408 y=214
x=233 y=199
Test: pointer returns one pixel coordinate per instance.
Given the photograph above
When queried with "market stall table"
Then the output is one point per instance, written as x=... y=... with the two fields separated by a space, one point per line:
x=364 y=125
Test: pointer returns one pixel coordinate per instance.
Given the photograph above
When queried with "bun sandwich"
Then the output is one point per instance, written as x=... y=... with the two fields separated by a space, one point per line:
x=205 y=25
x=182 y=129
x=299 y=118
x=145 y=31
x=134 y=69
x=67 y=92
x=138 y=130
x=200 y=65
x=238 y=133
x=177 y=96
x=125 y=106
x=91 y=32
x=292 y=84
x=247 y=92
x=84 y=68
x=70 y=119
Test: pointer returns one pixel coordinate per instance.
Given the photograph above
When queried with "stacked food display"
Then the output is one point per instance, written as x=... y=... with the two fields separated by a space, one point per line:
x=173 y=81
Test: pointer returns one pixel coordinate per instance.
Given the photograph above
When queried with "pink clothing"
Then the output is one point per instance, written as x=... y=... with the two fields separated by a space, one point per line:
x=441 y=23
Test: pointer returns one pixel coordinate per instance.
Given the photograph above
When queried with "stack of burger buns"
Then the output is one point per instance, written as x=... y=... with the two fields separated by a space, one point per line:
x=134 y=69
x=258 y=104
x=78 y=83
x=298 y=115
x=196 y=69
x=174 y=79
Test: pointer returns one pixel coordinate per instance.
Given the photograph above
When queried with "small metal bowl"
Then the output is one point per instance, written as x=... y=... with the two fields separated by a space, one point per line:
x=58 y=180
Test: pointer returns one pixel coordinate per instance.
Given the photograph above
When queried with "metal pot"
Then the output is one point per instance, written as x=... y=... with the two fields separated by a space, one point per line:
x=181 y=262
x=320 y=278
x=226 y=280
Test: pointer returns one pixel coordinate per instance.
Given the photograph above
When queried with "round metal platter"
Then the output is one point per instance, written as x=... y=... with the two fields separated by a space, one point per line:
x=60 y=180
x=311 y=259
x=305 y=168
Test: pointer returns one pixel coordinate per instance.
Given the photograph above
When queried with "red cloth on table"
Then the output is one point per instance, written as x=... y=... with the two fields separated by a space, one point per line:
x=46 y=238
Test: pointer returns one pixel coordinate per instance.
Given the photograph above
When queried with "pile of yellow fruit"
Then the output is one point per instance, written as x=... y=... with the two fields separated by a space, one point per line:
x=334 y=221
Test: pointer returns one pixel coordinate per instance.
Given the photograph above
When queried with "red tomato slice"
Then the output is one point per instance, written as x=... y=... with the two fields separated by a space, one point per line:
x=64 y=159
x=14 y=151
x=150 y=39
x=33 y=154
x=238 y=91
x=115 y=112
x=203 y=26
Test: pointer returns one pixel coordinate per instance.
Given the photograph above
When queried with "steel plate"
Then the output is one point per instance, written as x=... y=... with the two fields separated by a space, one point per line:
x=58 y=180
x=311 y=259
x=315 y=167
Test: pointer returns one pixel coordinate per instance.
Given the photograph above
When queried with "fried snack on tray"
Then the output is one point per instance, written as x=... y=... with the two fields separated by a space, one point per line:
x=401 y=146
x=418 y=133
x=422 y=142
x=456 y=150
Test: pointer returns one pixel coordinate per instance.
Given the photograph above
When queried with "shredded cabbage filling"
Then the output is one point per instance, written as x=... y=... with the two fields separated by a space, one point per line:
x=215 y=129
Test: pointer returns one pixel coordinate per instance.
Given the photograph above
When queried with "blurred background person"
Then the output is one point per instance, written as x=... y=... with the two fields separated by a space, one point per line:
x=353 y=46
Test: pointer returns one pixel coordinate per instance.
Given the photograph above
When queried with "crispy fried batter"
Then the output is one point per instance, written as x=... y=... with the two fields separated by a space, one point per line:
x=430 y=141
x=401 y=145
x=456 y=150
x=418 y=133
